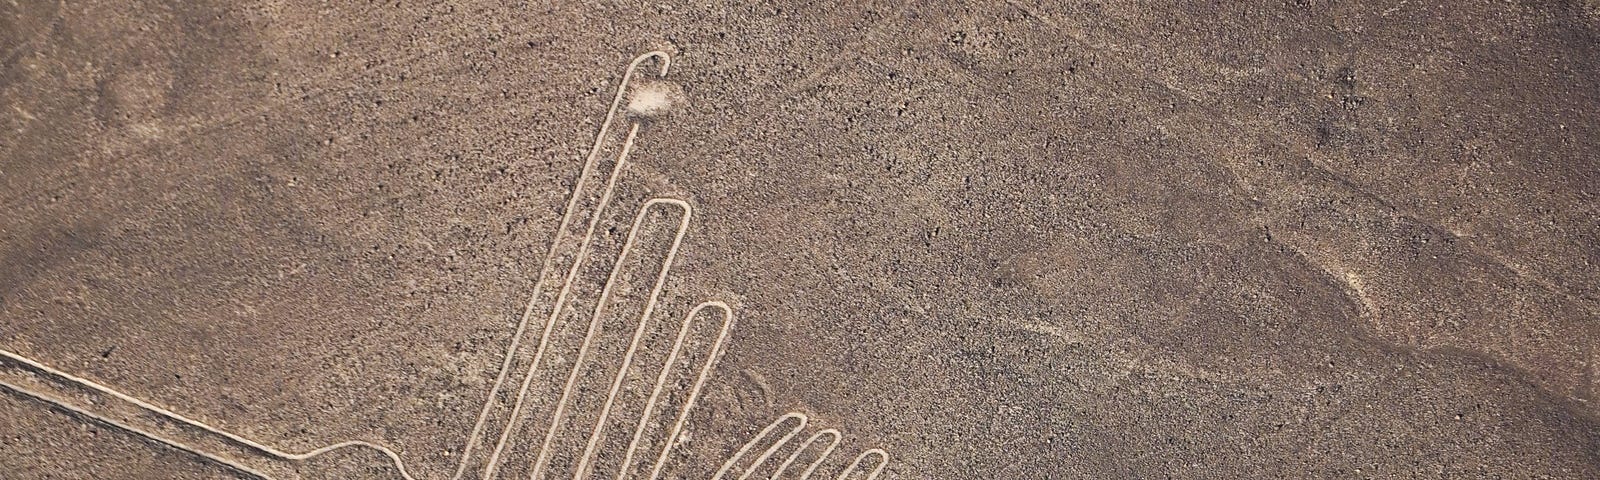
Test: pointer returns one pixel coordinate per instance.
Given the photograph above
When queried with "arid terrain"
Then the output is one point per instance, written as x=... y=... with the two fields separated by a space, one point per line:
x=1020 y=239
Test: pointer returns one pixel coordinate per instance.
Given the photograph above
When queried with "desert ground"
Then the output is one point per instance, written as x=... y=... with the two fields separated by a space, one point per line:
x=1020 y=239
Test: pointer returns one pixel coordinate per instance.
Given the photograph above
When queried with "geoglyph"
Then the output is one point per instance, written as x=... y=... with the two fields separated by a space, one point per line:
x=531 y=372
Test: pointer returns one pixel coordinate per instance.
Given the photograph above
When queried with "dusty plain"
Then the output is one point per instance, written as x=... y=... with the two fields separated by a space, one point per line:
x=1299 y=239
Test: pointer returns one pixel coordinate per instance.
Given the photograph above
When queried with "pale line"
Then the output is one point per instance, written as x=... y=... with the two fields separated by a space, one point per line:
x=853 y=468
x=882 y=463
x=395 y=457
x=694 y=392
x=549 y=258
x=665 y=61
x=726 y=467
x=627 y=359
x=107 y=420
x=583 y=249
x=556 y=310
x=599 y=308
x=826 y=451
x=544 y=341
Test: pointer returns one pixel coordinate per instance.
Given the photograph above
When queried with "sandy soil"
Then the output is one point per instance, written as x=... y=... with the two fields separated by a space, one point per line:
x=995 y=240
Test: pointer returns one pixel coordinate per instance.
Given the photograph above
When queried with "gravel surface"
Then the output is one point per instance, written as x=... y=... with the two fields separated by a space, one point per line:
x=1019 y=239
